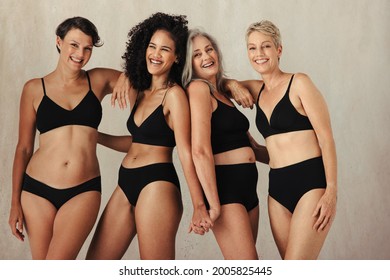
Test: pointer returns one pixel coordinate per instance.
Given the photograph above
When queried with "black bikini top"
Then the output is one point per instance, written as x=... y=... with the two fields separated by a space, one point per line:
x=50 y=115
x=229 y=129
x=284 y=117
x=154 y=130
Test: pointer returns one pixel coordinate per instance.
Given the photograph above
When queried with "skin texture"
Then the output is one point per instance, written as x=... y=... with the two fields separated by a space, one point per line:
x=236 y=229
x=156 y=217
x=66 y=156
x=298 y=235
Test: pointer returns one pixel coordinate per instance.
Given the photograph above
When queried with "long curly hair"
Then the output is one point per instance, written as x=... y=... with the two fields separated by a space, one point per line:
x=139 y=38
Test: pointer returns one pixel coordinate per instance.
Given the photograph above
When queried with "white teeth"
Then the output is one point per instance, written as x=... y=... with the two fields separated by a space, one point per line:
x=155 y=61
x=208 y=65
x=260 y=61
x=75 y=59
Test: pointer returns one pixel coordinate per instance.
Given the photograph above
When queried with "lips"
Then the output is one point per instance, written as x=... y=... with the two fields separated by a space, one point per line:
x=207 y=65
x=156 y=62
x=261 y=61
x=74 y=59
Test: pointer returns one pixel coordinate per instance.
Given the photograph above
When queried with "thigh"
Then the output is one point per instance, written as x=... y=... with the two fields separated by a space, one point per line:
x=233 y=232
x=280 y=219
x=158 y=213
x=254 y=220
x=39 y=216
x=72 y=224
x=304 y=242
x=115 y=230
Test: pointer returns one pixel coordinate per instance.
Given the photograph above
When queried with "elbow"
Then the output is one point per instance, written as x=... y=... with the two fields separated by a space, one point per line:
x=25 y=151
x=326 y=142
x=200 y=153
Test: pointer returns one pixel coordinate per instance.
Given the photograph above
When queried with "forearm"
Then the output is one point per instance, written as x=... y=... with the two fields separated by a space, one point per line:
x=261 y=154
x=117 y=143
x=328 y=149
x=205 y=169
x=21 y=159
x=193 y=182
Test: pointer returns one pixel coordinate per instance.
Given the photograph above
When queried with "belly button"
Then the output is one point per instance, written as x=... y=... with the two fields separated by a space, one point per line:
x=66 y=163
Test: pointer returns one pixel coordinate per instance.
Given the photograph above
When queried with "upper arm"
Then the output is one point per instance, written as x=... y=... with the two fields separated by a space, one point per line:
x=103 y=80
x=201 y=111
x=179 y=115
x=27 y=115
x=314 y=105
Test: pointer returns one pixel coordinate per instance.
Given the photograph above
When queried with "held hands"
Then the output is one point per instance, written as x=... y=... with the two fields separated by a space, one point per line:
x=325 y=210
x=240 y=94
x=203 y=220
x=121 y=92
x=16 y=222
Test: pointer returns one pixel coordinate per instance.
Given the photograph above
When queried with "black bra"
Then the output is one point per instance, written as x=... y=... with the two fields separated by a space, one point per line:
x=229 y=129
x=284 y=117
x=50 y=115
x=154 y=130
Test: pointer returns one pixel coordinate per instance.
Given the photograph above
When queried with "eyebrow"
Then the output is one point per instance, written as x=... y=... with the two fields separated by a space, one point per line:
x=74 y=41
x=207 y=46
x=151 y=43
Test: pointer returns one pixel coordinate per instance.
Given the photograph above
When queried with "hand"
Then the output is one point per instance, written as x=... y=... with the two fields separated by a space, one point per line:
x=121 y=91
x=325 y=210
x=240 y=94
x=16 y=222
x=201 y=221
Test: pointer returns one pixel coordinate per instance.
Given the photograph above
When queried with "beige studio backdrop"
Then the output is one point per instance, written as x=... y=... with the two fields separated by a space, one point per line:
x=342 y=44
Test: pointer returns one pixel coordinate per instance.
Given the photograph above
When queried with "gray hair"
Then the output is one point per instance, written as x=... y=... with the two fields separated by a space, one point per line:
x=188 y=73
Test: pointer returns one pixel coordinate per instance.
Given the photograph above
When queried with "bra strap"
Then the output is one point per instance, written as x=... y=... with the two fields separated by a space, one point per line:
x=288 y=88
x=258 y=97
x=165 y=94
x=89 y=81
x=43 y=86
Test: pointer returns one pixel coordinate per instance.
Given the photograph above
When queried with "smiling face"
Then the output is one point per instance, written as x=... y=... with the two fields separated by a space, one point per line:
x=160 y=53
x=262 y=52
x=204 y=58
x=75 y=48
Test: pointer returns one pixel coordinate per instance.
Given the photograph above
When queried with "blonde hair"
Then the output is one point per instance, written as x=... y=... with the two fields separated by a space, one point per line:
x=268 y=28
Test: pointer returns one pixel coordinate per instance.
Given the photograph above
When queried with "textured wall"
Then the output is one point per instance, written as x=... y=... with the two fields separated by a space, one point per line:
x=343 y=45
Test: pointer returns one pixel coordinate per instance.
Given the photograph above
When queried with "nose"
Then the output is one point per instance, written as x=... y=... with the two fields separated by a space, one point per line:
x=259 y=51
x=157 y=52
x=80 y=52
x=205 y=56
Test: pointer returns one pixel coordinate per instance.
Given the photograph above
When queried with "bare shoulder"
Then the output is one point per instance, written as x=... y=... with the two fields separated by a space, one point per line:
x=33 y=88
x=198 y=85
x=302 y=79
x=304 y=87
x=174 y=94
x=100 y=71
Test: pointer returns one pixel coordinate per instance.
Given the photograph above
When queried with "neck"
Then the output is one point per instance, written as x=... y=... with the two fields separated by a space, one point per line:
x=272 y=80
x=66 y=76
x=159 y=82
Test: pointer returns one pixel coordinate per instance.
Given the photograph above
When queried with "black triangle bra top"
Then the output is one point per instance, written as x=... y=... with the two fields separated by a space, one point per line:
x=284 y=117
x=154 y=130
x=50 y=115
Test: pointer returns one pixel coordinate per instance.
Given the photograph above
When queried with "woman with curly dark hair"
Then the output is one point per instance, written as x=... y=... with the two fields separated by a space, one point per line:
x=147 y=200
